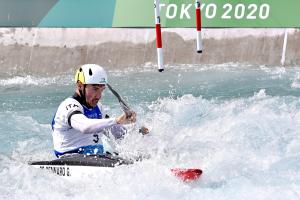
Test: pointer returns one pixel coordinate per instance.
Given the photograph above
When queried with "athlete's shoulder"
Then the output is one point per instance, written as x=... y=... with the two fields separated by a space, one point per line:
x=103 y=109
x=100 y=106
x=70 y=104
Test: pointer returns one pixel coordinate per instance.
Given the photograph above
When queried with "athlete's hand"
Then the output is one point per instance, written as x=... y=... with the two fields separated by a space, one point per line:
x=131 y=117
x=126 y=119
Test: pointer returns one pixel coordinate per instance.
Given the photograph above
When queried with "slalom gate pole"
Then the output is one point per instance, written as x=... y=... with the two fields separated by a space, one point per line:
x=158 y=36
x=198 y=27
x=284 y=48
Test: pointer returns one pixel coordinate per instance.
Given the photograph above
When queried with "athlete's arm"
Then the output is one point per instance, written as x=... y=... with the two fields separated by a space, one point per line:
x=80 y=122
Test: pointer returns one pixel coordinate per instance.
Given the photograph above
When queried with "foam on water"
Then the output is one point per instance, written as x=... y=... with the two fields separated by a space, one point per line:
x=242 y=129
x=35 y=81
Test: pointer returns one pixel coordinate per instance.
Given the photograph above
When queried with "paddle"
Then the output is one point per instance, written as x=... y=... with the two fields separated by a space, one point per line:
x=185 y=174
x=143 y=130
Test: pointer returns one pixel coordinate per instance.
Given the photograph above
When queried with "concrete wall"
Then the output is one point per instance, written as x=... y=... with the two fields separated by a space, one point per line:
x=55 y=51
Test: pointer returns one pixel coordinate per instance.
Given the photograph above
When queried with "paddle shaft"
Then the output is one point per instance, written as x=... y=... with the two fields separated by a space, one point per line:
x=123 y=104
x=126 y=108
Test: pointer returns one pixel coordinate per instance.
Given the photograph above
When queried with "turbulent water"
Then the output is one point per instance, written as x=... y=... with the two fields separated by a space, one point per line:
x=240 y=124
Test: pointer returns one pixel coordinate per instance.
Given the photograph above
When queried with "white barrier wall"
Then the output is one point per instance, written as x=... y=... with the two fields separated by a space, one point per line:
x=40 y=51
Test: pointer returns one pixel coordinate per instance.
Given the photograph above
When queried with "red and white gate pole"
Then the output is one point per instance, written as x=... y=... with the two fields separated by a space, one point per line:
x=158 y=36
x=198 y=27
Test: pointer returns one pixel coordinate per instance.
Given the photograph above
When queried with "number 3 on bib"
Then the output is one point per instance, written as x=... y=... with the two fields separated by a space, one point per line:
x=96 y=138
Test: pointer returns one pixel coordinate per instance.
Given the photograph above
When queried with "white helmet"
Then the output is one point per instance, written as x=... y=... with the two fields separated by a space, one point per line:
x=91 y=74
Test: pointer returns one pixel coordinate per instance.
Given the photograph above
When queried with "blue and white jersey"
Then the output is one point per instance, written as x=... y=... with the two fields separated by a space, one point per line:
x=69 y=140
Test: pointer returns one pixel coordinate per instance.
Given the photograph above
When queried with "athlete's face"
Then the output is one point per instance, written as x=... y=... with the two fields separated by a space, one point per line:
x=93 y=94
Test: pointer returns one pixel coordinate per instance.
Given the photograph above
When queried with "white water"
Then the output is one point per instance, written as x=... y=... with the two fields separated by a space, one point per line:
x=241 y=125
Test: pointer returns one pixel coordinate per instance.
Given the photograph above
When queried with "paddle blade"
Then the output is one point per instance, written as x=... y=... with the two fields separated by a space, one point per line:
x=187 y=175
x=144 y=130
